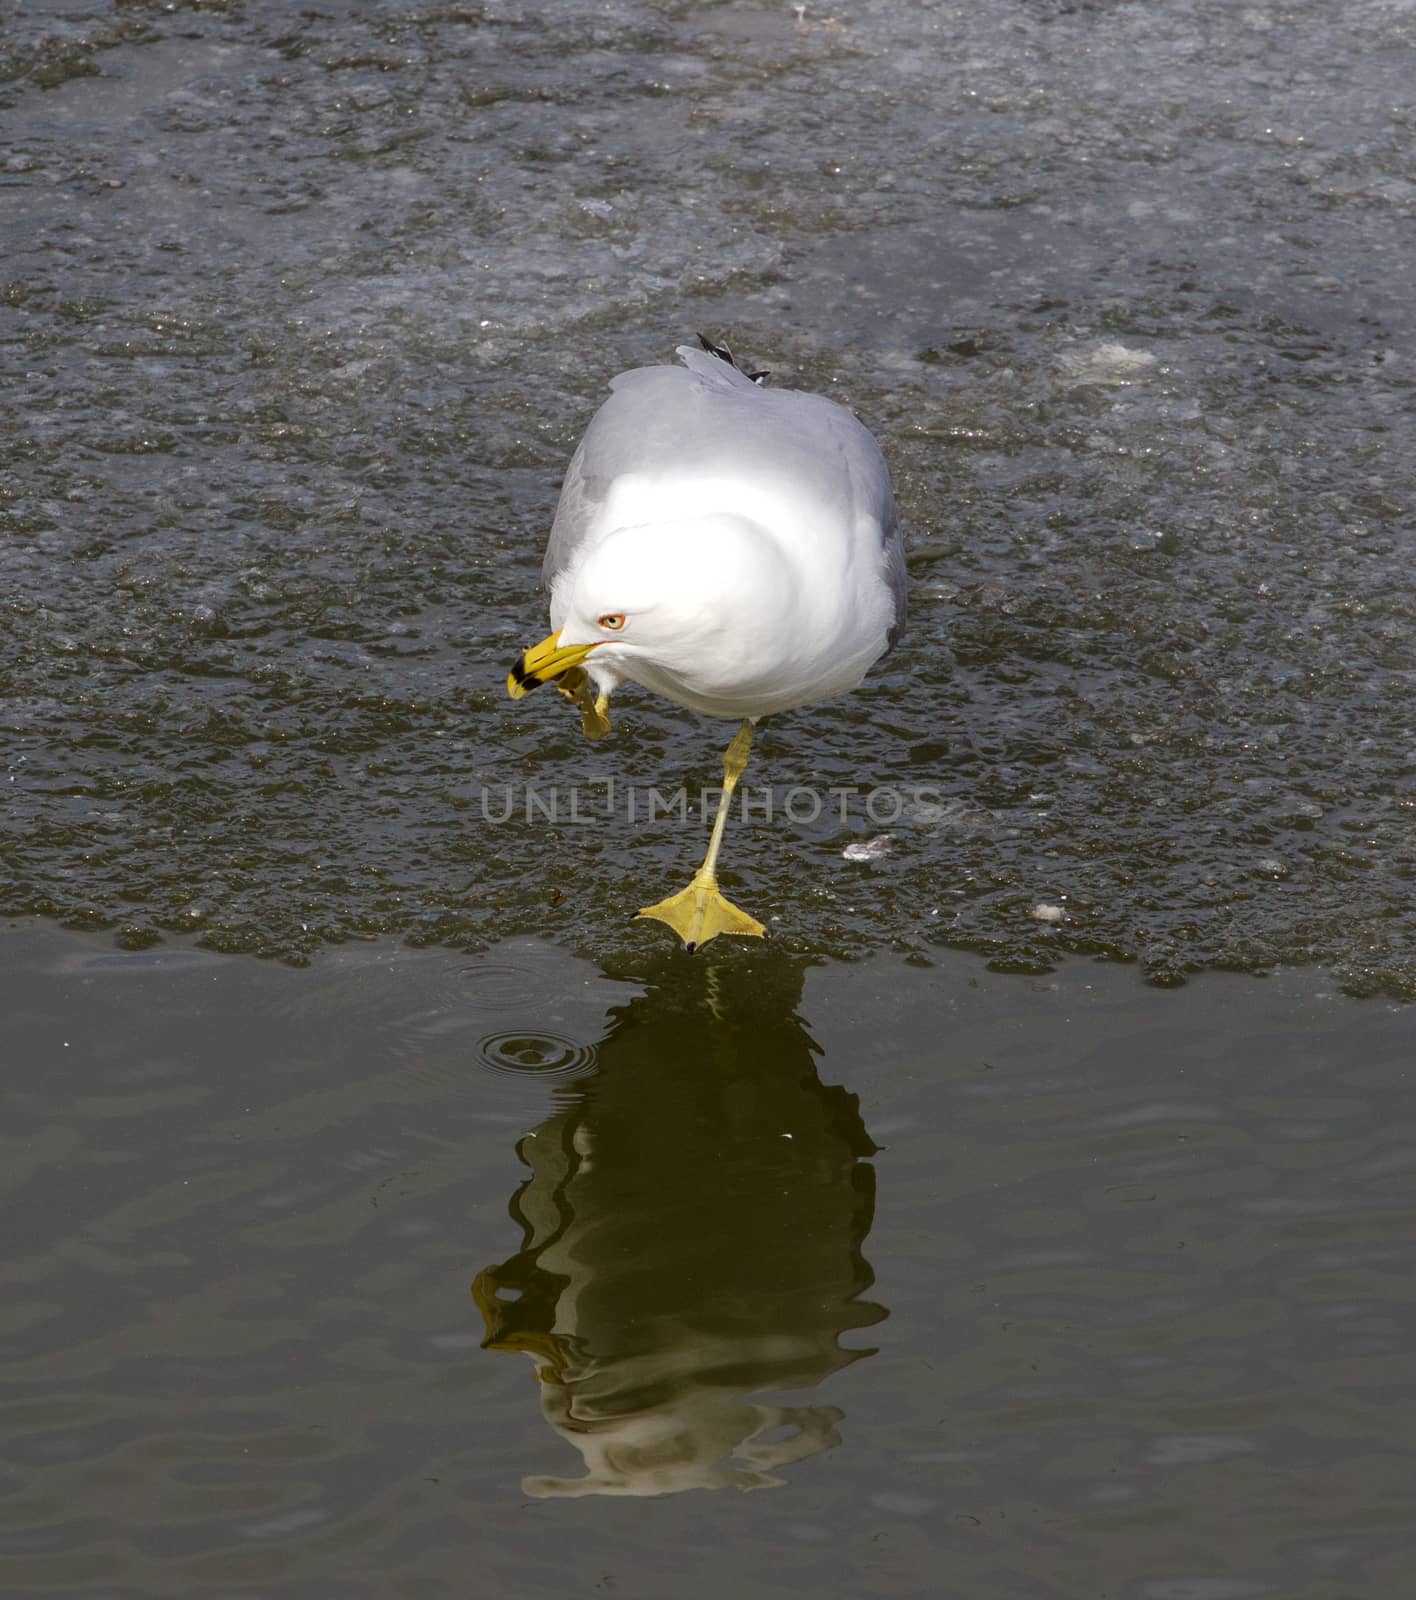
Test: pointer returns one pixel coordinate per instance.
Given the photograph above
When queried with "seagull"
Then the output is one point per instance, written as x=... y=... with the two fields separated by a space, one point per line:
x=730 y=546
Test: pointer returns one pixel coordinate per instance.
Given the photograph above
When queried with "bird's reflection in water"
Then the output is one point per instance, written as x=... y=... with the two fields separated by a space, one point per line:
x=694 y=1221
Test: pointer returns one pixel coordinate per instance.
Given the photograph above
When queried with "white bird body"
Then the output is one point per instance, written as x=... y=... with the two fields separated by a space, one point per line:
x=756 y=528
x=733 y=548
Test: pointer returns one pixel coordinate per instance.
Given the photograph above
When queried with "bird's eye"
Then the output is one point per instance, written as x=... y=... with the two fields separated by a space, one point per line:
x=613 y=620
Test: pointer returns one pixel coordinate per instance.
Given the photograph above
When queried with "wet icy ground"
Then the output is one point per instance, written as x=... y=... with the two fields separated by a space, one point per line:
x=303 y=311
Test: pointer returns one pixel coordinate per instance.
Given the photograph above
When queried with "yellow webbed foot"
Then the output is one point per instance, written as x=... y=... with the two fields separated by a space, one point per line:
x=594 y=714
x=700 y=913
x=595 y=719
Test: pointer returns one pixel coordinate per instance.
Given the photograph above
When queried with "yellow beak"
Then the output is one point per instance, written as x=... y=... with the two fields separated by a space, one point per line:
x=545 y=661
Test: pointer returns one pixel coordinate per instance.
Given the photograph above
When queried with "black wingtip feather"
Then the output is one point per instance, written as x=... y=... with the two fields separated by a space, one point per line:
x=723 y=353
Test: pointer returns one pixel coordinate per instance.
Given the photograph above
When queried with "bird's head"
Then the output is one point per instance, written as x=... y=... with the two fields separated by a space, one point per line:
x=692 y=600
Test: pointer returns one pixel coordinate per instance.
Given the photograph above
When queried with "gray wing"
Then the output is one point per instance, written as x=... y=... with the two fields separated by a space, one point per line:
x=651 y=413
x=710 y=414
x=574 y=515
x=873 y=494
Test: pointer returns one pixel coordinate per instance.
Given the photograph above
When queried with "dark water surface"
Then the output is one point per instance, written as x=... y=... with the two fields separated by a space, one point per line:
x=985 y=1285
x=302 y=310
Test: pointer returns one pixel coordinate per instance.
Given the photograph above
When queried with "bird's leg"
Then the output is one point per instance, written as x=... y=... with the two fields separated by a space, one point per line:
x=699 y=912
x=594 y=714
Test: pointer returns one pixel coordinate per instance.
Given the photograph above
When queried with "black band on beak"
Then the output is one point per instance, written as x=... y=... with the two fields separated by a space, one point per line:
x=527 y=681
